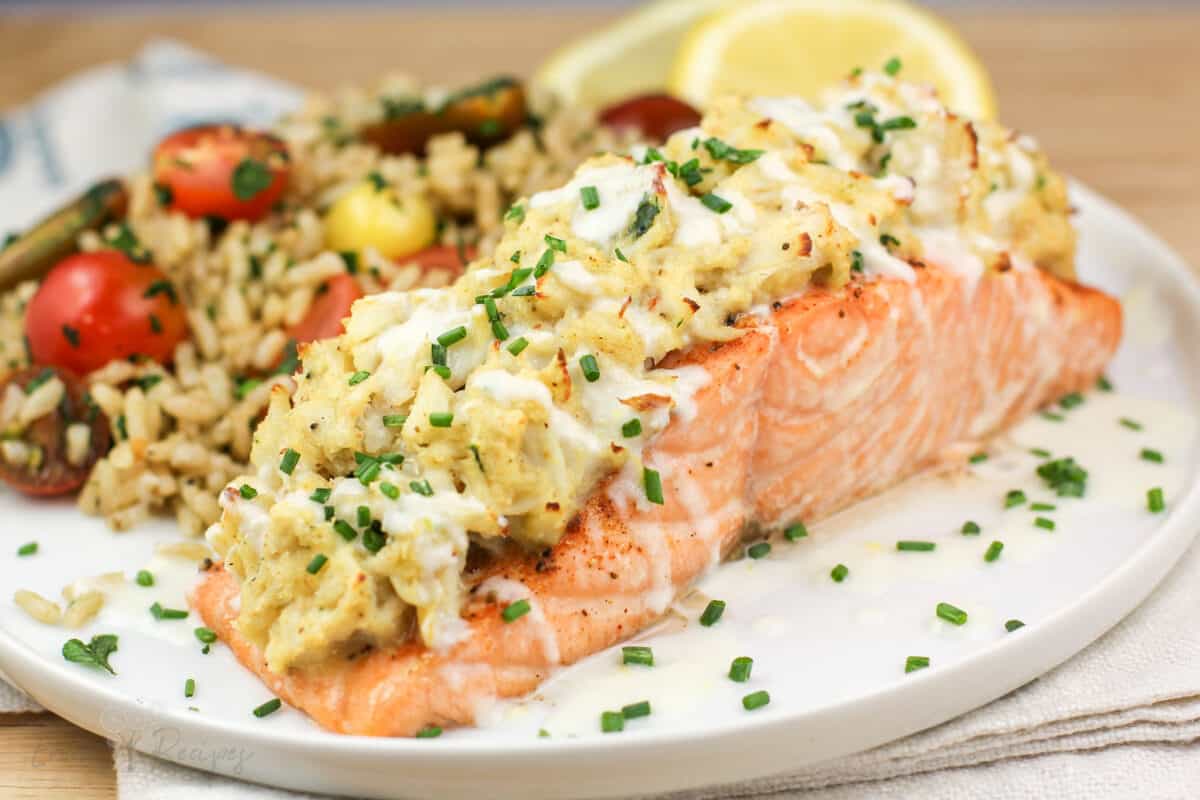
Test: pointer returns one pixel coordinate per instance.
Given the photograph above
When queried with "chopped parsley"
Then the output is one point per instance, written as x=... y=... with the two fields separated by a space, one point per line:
x=1064 y=476
x=250 y=178
x=93 y=654
x=631 y=428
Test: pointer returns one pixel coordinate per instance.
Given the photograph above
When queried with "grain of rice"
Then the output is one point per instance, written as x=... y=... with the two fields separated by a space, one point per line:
x=15 y=452
x=44 y=399
x=79 y=439
x=38 y=607
x=83 y=609
x=188 y=550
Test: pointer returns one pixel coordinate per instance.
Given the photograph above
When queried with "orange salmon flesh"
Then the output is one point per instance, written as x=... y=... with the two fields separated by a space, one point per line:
x=832 y=397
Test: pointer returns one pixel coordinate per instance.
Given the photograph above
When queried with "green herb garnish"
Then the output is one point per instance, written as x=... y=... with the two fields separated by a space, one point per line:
x=93 y=654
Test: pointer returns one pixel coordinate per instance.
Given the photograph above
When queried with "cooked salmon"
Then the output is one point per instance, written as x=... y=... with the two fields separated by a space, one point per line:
x=832 y=397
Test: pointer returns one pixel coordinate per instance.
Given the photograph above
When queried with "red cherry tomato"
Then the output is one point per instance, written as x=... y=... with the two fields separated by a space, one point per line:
x=442 y=256
x=222 y=171
x=655 y=115
x=328 y=309
x=93 y=308
x=47 y=471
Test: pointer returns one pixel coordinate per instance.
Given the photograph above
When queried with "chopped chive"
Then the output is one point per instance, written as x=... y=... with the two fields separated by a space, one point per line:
x=911 y=546
x=515 y=257
x=653 y=483
x=978 y=458
x=637 y=654
x=525 y=291
x=620 y=255
x=993 y=551
x=145 y=578
x=591 y=370
x=543 y=264
x=1014 y=498
x=951 y=614
x=268 y=708
x=318 y=561
x=441 y=419
x=590 y=197
x=344 y=530
x=367 y=472
x=475 y=452
x=755 y=700
x=795 y=531
x=374 y=538
x=320 y=496
x=189 y=687
x=489 y=307
x=328 y=513
x=452 y=336
x=514 y=611
x=517 y=345
x=428 y=732
x=437 y=354
x=914 y=663
x=516 y=212
x=612 y=722
x=636 y=710
x=1132 y=424
x=1071 y=400
x=739 y=669
x=631 y=428
x=359 y=377
x=389 y=490
x=1042 y=507
x=892 y=67
x=440 y=369
x=856 y=261
x=1040 y=453
x=394 y=420
x=1052 y=416
x=1104 y=384
x=1012 y=624
x=839 y=573
x=362 y=516
x=970 y=528
x=289 y=461
x=759 y=550
x=247 y=491
x=716 y=203
x=1152 y=455
x=160 y=613
x=27 y=549
x=421 y=487
x=1043 y=522
x=1155 y=501
x=499 y=331
x=712 y=613
x=205 y=635
x=554 y=243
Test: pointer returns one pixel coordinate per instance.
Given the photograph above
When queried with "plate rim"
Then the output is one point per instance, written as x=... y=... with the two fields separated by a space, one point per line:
x=1051 y=641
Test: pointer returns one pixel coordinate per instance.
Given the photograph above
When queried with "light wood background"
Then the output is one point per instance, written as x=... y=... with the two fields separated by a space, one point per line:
x=1114 y=97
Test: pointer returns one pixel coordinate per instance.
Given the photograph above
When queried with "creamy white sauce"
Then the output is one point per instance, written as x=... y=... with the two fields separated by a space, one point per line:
x=621 y=188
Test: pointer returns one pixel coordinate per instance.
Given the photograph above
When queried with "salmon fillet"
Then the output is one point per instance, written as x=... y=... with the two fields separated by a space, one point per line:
x=833 y=397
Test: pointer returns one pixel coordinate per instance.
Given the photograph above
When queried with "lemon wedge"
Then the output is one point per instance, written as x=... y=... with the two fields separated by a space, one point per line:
x=632 y=56
x=798 y=47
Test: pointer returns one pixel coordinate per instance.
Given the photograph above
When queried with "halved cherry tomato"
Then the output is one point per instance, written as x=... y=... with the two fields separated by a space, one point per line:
x=328 y=309
x=221 y=171
x=93 y=308
x=442 y=256
x=48 y=471
x=655 y=115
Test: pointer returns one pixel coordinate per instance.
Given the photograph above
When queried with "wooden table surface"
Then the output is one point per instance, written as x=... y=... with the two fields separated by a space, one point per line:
x=1113 y=97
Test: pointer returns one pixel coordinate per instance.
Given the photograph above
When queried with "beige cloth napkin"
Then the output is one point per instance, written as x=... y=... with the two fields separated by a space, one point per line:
x=1119 y=719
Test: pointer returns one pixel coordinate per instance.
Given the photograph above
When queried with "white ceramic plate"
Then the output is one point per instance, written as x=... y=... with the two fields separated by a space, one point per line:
x=831 y=655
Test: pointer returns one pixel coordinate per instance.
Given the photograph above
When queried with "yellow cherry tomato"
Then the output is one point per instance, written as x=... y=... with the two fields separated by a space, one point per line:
x=372 y=214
